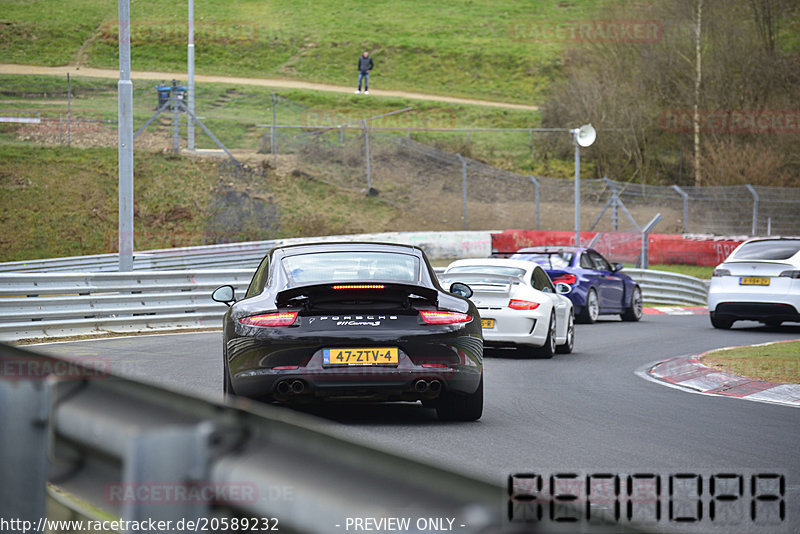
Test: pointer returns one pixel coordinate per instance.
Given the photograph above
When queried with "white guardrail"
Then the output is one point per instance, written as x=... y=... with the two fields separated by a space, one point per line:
x=37 y=305
x=662 y=287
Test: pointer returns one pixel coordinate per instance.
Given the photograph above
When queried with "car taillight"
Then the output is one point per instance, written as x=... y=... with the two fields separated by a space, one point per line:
x=444 y=317
x=515 y=304
x=791 y=274
x=270 y=319
x=721 y=272
x=358 y=286
x=566 y=278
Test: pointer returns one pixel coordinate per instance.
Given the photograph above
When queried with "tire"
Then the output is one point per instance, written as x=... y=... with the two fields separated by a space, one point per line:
x=634 y=312
x=723 y=323
x=773 y=322
x=458 y=407
x=567 y=347
x=591 y=310
x=549 y=348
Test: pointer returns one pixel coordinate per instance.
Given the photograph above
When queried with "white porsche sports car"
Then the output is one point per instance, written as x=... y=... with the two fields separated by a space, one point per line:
x=519 y=304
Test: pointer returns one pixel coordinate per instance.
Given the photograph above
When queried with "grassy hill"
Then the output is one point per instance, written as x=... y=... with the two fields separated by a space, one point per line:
x=461 y=48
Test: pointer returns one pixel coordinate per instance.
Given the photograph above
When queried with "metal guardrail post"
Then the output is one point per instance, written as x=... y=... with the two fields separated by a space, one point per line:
x=536 y=195
x=685 y=196
x=643 y=261
x=180 y=454
x=755 y=208
x=24 y=431
x=463 y=187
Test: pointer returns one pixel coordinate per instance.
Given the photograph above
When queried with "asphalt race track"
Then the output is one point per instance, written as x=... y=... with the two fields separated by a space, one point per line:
x=585 y=412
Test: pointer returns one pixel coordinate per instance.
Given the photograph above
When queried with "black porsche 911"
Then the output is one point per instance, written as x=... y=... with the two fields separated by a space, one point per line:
x=353 y=322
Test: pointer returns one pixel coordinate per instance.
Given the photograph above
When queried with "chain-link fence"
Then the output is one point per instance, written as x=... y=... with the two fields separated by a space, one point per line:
x=439 y=188
x=419 y=162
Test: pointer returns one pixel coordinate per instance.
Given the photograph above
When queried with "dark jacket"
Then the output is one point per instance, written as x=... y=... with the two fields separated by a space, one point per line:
x=365 y=64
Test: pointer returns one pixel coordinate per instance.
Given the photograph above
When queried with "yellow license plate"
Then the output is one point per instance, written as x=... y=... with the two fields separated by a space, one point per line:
x=360 y=356
x=754 y=281
x=487 y=323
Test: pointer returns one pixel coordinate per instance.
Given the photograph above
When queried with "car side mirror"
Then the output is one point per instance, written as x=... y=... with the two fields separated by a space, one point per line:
x=224 y=294
x=563 y=289
x=461 y=289
x=617 y=267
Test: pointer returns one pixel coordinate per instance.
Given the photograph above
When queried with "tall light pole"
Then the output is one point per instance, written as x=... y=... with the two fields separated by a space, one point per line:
x=583 y=136
x=190 y=96
x=125 y=119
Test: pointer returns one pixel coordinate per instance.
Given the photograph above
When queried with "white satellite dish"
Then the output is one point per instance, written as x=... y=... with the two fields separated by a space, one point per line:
x=585 y=135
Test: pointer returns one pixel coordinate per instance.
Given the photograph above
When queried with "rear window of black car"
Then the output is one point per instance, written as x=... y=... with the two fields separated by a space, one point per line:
x=768 y=250
x=321 y=267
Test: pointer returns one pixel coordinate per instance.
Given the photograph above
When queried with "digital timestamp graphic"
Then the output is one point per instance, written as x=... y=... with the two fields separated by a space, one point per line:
x=685 y=501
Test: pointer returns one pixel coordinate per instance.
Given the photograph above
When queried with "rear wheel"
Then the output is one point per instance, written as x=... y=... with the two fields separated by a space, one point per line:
x=723 y=323
x=634 y=312
x=459 y=407
x=591 y=309
x=549 y=348
x=568 y=345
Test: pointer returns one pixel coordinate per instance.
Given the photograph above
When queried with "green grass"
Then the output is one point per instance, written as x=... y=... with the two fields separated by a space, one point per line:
x=233 y=112
x=698 y=271
x=63 y=202
x=462 y=48
x=776 y=362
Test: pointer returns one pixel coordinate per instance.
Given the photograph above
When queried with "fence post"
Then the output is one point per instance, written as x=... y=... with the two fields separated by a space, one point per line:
x=645 y=257
x=536 y=195
x=755 y=207
x=614 y=203
x=366 y=154
x=464 y=186
x=69 y=111
x=685 y=208
x=273 y=133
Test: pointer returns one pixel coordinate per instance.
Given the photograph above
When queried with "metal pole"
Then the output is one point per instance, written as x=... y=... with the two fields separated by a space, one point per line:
x=464 y=187
x=755 y=207
x=125 y=118
x=366 y=157
x=577 y=187
x=190 y=95
x=175 y=121
x=536 y=194
x=685 y=208
x=273 y=132
x=69 y=111
x=645 y=257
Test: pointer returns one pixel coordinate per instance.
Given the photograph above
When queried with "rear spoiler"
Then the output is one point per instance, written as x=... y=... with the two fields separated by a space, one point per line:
x=355 y=290
x=480 y=278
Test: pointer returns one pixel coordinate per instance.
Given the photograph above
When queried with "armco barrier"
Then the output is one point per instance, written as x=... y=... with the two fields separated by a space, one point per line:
x=663 y=248
x=247 y=255
x=109 y=447
x=63 y=304
x=34 y=305
x=661 y=287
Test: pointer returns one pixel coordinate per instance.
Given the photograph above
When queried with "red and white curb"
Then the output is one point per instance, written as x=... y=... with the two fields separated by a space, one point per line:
x=688 y=372
x=675 y=310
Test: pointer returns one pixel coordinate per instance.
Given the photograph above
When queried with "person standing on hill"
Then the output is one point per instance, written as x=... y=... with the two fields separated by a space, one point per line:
x=364 y=66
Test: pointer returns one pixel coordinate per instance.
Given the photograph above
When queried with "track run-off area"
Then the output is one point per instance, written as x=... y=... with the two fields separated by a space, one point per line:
x=583 y=412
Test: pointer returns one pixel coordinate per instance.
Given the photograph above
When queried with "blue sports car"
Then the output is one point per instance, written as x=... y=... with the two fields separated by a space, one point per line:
x=598 y=287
